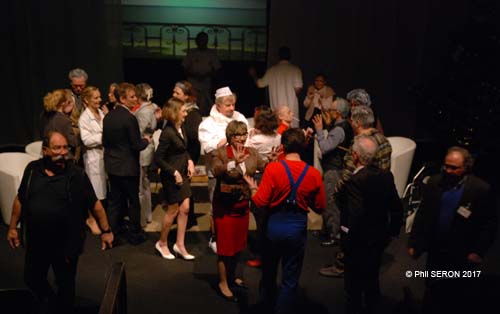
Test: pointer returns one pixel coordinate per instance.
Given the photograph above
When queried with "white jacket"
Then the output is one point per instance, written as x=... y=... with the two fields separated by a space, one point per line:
x=213 y=129
x=93 y=158
x=263 y=143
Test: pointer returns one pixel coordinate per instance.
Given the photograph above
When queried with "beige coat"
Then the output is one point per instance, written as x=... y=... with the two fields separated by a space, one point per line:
x=316 y=98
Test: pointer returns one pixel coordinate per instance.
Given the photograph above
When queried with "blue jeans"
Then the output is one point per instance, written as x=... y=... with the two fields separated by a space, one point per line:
x=285 y=241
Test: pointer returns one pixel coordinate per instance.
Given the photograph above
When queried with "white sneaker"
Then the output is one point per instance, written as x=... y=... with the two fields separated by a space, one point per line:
x=212 y=245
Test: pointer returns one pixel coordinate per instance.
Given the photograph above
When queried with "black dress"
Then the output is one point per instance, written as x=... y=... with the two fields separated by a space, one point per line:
x=172 y=155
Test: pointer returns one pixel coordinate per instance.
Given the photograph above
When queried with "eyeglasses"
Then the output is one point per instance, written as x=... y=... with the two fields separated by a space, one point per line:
x=240 y=134
x=451 y=167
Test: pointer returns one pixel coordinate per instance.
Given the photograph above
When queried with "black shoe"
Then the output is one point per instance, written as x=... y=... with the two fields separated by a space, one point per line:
x=232 y=298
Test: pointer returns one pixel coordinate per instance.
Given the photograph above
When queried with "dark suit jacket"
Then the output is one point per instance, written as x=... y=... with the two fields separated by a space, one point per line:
x=191 y=124
x=470 y=235
x=171 y=153
x=122 y=142
x=370 y=208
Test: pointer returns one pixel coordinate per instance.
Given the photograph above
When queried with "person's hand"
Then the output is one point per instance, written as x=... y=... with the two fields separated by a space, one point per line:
x=318 y=123
x=147 y=138
x=275 y=152
x=13 y=238
x=107 y=240
x=474 y=258
x=239 y=154
x=252 y=184
x=105 y=110
x=308 y=133
x=178 y=178
x=190 y=168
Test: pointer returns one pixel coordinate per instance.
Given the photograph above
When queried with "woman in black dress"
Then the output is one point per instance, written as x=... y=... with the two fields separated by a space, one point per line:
x=184 y=91
x=176 y=168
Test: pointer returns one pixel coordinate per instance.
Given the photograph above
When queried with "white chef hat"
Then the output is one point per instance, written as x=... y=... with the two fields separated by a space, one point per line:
x=223 y=91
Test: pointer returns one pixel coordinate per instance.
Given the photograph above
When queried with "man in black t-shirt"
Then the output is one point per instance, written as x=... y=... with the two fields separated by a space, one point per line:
x=52 y=203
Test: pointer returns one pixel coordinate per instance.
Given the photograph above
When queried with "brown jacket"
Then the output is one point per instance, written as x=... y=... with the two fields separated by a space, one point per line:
x=218 y=163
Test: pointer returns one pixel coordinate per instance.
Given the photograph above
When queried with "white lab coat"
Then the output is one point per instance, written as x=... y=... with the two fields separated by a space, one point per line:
x=93 y=158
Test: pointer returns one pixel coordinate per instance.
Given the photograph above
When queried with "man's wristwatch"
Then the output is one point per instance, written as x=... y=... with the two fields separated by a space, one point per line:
x=106 y=231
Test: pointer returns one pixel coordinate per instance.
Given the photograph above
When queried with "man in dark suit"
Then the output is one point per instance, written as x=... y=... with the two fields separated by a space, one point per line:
x=371 y=213
x=457 y=221
x=122 y=143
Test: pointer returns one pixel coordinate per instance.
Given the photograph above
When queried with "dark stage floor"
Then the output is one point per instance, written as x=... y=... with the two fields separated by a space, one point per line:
x=160 y=286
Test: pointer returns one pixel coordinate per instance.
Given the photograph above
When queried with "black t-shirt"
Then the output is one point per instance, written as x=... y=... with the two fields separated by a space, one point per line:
x=54 y=208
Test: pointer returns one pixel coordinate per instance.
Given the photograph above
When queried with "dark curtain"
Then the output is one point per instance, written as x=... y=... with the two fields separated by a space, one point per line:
x=43 y=40
x=386 y=47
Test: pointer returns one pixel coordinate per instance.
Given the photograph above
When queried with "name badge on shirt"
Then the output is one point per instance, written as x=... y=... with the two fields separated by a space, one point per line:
x=464 y=212
x=344 y=228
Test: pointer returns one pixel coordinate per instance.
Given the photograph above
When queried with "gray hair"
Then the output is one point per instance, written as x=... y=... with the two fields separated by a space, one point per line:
x=343 y=107
x=363 y=115
x=144 y=91
x=365 y=147
x=220 y=100
x=78 y=73
x=360 y=96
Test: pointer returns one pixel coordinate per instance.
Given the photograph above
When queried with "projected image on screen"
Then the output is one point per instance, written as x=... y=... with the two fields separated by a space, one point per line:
x=167 y=28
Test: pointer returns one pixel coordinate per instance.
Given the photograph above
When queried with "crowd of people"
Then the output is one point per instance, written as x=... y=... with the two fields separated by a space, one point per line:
x=259 y=170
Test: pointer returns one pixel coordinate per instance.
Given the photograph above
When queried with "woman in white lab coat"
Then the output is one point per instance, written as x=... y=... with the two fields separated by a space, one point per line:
x=90 y=124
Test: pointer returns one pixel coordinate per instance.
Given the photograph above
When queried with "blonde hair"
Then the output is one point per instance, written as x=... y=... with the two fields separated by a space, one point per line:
x=170 y=111
x=54 y=100
x=87 y=93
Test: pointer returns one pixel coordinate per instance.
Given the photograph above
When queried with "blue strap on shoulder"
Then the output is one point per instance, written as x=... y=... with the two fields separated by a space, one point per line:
x=295 y=185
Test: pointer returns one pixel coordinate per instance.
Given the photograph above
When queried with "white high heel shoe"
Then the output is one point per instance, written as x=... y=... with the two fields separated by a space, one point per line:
x=187 y=257
x=169 y=256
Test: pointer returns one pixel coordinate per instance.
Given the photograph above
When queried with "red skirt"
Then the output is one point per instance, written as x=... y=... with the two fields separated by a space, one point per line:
x=231 y=227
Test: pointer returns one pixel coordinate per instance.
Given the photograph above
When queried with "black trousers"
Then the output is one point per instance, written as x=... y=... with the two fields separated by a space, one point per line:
x=124 y=190
x=36 y=268
x=361 y=278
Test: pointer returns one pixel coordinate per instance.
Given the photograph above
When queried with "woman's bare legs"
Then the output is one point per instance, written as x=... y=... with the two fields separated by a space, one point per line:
x=182 y=219
x=168 y=219
x=222 y=267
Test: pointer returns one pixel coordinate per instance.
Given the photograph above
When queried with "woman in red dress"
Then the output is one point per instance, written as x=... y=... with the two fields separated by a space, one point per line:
x=231 y=202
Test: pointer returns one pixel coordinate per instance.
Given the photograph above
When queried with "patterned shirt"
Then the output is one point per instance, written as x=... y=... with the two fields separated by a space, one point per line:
x=382 y=159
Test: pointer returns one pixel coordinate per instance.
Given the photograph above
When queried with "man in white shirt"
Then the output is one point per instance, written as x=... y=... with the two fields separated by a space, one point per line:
x=284 y=81
x=212 y=134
